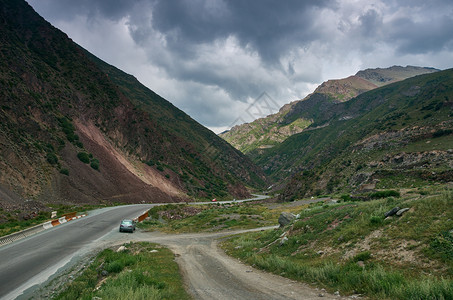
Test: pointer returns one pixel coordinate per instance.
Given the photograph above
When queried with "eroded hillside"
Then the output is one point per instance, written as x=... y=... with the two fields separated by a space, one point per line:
x=76 y=130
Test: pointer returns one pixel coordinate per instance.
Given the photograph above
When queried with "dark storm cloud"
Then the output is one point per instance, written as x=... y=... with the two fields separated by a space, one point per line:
x=423 y=36
x=213 y=57
x=68 y=9
x=270 y=27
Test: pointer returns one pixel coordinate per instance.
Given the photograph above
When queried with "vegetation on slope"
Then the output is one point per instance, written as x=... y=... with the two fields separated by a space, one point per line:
x=296 y=116
x=402 y=130
x=198 y=218
x=76 y=130
x=352 y=248
x=140 y=271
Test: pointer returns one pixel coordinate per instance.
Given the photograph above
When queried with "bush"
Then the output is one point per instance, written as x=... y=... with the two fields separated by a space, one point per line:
x=95 y=164
x=385 y=194
x=374 y=220
x=84 y=157
x=346 y=197
x=52 y=158
x=442 y=245
x=442 y=132
x=160 y=168
x=362 y=256
x=64 y=172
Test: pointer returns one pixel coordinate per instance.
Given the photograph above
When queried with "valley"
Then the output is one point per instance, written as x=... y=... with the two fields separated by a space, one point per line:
x=353 y=183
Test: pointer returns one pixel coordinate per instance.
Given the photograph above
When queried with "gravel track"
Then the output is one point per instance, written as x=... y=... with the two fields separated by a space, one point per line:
x=211 y=274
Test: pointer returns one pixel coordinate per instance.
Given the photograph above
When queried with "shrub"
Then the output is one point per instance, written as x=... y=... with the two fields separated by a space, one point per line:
x=442 y=132
x=95 y=164
x=362 y=256
x=84 y=157
x=442 y=245
x=385 y=194
x=52 y=158
x=160 y=168
x=346 y=197
x=374 y=220
x=64 y=171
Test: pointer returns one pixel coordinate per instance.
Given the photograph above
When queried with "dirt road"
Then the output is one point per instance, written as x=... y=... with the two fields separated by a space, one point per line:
x=210 y=274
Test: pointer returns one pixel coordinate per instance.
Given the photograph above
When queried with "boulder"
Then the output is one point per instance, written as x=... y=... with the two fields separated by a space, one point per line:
x=286 y=218
x=401 y=211
x=121 y=248
x=283 y=241
x=391 y=212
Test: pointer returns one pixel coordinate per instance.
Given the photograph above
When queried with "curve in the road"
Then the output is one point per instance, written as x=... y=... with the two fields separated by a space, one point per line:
x=32 y=260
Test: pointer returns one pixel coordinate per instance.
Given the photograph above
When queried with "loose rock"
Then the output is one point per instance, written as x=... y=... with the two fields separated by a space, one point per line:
x=283 y=241
x=391 y=212
x=401 y=211
x=286 y=218
x=121 y=248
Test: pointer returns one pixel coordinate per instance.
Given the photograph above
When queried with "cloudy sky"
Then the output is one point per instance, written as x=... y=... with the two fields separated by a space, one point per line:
x=213 y=58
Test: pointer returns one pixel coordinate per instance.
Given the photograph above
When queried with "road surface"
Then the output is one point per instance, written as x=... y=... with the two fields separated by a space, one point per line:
x=26 y=263
x=211 y=274
x=208 y=272
x=32 y=260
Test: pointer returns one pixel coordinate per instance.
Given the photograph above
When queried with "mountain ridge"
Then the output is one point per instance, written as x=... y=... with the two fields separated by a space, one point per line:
x=296 y=116
x=398 y=135
x=73 y=133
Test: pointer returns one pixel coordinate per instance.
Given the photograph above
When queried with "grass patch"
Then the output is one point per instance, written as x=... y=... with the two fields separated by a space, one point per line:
x=352 y=248
x=15 y=223
x=143 y=271
x=385 y=194
x=196 y=218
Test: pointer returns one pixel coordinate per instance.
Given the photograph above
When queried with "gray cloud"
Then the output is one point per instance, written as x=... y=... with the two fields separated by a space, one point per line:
x=213 y=57
x=270 y=27
x=423 y=36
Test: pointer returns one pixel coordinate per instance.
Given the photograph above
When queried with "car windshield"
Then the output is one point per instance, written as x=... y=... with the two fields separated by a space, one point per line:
x=126 y=222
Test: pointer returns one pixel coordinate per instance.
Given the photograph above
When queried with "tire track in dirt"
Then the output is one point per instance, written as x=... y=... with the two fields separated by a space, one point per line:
x=211 y=274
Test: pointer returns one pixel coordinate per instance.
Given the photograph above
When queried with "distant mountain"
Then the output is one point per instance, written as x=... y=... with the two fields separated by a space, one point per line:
x=383 y=76
x=74 y=129
x=298 y=115
x=399 y=135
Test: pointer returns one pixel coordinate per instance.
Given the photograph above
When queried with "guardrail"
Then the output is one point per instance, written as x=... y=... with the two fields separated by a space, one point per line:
x=143 y=216
x=20 y=234
x=41 y=227
x=38 y=228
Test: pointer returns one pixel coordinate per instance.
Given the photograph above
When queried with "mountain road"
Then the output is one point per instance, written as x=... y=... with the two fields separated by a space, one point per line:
x=32 y=260
x=27 y=266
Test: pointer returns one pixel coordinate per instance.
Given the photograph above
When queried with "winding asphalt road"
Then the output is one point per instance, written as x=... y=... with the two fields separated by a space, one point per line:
x=208 y=272
x=28 y=262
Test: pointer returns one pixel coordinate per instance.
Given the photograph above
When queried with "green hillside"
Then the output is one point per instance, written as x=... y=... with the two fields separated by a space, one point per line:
x=397 y=135
x=296 y=116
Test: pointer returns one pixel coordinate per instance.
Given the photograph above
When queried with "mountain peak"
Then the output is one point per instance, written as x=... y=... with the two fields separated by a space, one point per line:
x=296 y=116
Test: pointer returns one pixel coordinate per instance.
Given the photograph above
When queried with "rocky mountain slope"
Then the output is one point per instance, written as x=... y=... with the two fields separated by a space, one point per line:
x=298 y=115
x=399 y=135
x=74 y=129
